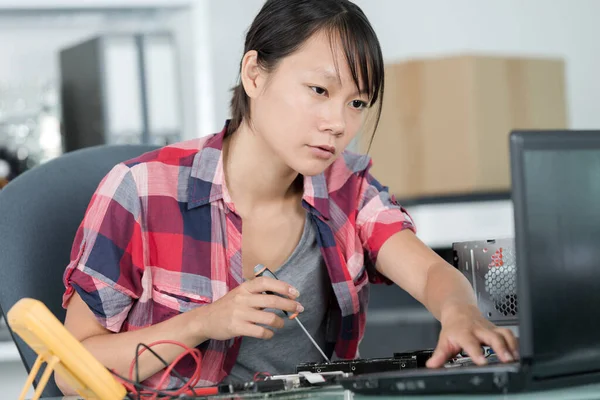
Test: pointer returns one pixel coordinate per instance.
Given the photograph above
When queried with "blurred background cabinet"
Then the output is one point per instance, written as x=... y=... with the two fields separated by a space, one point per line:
x=120 y=89
x=75 y=74
x=445 y=121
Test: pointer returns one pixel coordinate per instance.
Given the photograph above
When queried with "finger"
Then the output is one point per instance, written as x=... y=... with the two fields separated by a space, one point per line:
x=255 y=331
x=264 y=318
x=274 y=302
x=262 y=284
x=496 y=341
x=511 y=340
x=472 y=346
x=442 y=353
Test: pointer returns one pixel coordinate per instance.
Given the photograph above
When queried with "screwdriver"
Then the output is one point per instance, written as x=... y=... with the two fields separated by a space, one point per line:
x=261 y=270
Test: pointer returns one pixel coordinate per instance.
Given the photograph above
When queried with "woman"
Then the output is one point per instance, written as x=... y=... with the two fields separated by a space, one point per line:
x=161 y=253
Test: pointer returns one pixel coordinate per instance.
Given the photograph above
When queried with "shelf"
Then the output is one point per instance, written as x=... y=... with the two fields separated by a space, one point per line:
x=474 y=197
x=440 y=225
x=9 y=352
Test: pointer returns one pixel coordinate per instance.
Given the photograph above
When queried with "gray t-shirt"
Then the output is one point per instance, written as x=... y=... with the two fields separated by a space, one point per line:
x=305 y=269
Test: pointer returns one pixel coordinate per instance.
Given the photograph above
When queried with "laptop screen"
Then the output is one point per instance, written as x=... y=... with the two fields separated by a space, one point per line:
x=557 y=209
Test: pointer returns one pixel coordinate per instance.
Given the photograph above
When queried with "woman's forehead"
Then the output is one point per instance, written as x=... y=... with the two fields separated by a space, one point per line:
x=322 y=48
x=323 y=55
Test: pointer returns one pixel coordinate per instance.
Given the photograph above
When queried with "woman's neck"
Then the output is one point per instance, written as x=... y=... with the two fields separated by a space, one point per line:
x=255 y=176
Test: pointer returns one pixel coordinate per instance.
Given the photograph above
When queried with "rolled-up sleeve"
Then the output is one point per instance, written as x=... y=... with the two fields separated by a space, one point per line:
x=107 y=255
x=379 y=216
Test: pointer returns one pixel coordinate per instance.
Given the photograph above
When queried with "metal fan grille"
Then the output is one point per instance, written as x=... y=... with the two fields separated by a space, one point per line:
x=501 y=283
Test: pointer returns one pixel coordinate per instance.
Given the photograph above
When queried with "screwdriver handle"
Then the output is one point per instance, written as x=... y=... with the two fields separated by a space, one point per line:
x=261 y=270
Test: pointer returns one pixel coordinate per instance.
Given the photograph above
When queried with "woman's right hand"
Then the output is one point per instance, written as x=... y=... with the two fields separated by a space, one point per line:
x=239 y=311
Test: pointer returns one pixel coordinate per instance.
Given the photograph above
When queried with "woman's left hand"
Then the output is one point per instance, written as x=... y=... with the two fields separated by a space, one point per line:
x=465 y=328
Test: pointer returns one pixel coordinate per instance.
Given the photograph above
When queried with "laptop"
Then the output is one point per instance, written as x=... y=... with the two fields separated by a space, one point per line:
x=556 y=197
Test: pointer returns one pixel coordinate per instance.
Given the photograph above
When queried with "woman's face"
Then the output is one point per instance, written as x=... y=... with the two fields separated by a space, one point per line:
x=306 y=110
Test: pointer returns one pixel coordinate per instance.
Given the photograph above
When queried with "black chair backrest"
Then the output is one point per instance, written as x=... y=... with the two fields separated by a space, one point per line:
x=40 y=212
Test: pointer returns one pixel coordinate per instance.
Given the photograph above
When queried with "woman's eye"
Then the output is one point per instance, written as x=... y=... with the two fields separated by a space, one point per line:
x=358 y=104
x=318 y=90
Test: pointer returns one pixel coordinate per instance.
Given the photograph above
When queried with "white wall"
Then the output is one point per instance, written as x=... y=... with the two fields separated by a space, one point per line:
x=408 y=28
x=229 y=21
x=183 y=27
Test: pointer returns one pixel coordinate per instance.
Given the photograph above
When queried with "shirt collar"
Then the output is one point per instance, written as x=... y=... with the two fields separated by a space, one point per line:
x=207 y=180
x=316 y=194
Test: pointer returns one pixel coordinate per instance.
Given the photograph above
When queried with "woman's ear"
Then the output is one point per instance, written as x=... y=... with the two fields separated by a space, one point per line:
x=252 y=75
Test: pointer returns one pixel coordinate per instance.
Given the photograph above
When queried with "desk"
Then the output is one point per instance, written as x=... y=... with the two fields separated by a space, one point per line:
x=587 y=392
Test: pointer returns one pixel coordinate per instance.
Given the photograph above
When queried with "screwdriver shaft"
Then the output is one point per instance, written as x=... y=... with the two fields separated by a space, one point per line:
x=261 y=270
x=312 y=340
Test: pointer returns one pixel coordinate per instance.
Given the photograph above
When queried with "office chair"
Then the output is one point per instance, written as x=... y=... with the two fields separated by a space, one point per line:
x=40 y=212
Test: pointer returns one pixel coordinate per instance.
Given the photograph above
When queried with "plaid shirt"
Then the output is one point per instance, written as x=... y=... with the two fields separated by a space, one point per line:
x=161 y=237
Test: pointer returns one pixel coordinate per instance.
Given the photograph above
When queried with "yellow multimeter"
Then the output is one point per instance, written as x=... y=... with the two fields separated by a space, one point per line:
x=43 y=332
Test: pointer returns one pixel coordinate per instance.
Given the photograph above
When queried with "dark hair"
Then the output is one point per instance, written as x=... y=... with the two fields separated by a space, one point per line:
x=282 y=26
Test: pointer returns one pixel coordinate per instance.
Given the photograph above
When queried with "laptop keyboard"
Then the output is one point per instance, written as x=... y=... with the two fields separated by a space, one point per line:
x=467 y=362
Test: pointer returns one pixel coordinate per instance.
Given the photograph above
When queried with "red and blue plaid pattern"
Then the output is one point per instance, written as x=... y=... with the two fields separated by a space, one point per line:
x=161 y=237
